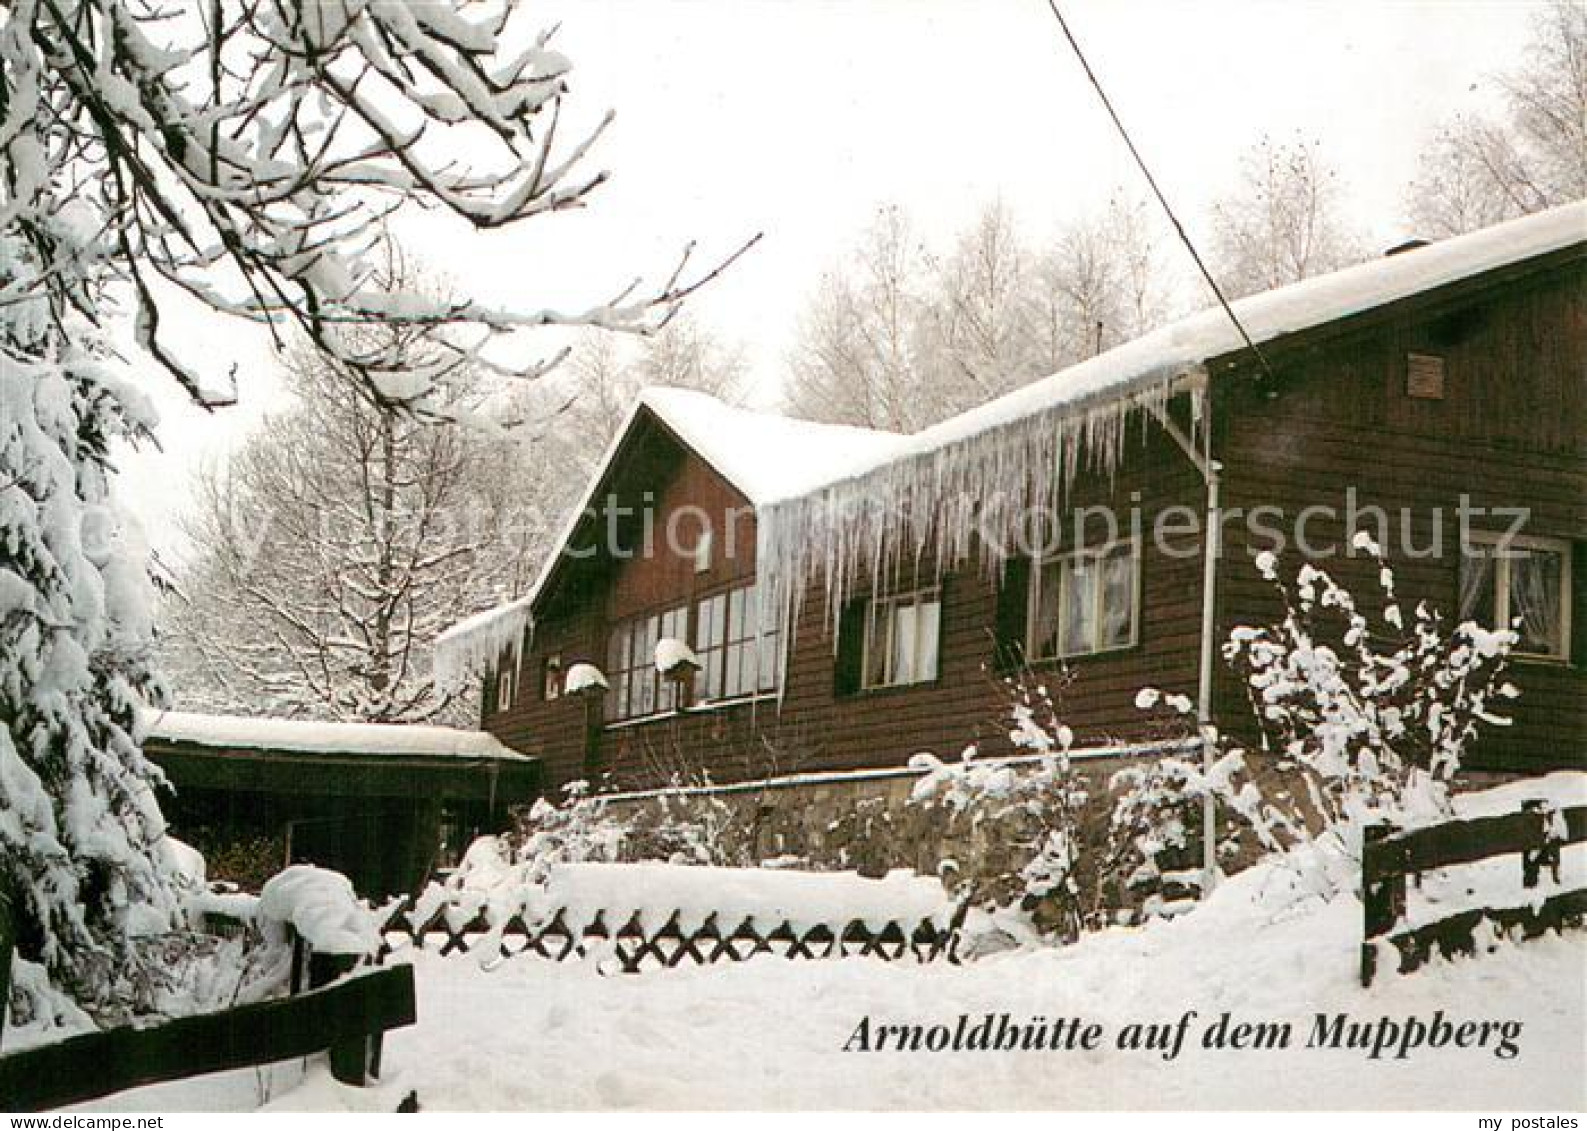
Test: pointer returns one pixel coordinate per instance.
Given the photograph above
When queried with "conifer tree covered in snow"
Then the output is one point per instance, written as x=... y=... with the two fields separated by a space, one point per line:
x=239 y=156
x=78 y=820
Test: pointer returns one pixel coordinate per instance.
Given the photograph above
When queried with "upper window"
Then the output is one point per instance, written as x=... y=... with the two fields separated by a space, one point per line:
x=1523 y=583
x=551 y=678
x=902 y=639
x=1084 y=602
x=738 y=657
x=637 y=689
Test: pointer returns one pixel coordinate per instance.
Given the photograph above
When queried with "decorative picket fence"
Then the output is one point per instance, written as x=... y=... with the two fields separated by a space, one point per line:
x=557 y=925
x=1389 y=857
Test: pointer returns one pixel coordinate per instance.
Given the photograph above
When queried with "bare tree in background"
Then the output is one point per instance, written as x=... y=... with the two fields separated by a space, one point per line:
x=1100 y=282
x=239 y=157
x=1283 y=222
x=978 y=333
x=901 y=338
x=855 y=359
x=605 y=375
x=1481 y=169
x=339 y=540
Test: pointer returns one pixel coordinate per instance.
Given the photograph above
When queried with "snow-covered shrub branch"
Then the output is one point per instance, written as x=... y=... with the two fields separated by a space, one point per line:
x=1040 y=812
x=1375 y=708
x=248 y=153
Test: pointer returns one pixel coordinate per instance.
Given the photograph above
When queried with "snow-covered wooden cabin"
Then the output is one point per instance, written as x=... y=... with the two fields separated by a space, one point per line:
x=890 y=597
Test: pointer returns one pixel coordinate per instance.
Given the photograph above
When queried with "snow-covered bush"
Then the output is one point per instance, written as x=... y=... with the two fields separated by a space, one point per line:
x=575 y=832
x=1038 y=812
x=1366 y=714
x=679 y=827
x=1374 y=710
x=1155 y=826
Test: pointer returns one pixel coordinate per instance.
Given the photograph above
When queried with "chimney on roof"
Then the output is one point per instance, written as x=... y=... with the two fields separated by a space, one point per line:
x=1409 y=245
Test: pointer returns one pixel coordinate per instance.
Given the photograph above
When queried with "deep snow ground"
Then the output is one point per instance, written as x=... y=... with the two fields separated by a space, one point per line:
x=770 y=1033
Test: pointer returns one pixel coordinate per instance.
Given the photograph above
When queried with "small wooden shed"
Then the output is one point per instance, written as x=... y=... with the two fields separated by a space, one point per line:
x=386 y=804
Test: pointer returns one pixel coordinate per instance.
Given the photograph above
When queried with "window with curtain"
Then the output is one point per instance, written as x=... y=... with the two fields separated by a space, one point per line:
x=1084 y=602
x=1524 y=585
x=504 y=687
x=902 y=639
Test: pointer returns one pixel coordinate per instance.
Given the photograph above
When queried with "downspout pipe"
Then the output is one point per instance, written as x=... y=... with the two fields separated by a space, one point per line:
x=1212 y=544
x=1212 y=548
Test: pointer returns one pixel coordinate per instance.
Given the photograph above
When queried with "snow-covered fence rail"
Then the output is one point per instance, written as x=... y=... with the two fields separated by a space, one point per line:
x=333 y=1008
x=1388 y=856
x=650 y=916
x=100 y=1064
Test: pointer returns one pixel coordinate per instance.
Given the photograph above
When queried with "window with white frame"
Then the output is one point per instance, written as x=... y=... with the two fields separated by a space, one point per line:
x=902 y=639
x=1521 y=582
x=738 y=655
x=1084 y=602
x=551 y=677
x=636 y=688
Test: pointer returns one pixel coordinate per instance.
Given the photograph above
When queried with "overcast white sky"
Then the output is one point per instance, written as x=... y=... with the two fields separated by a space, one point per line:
x=797 y=118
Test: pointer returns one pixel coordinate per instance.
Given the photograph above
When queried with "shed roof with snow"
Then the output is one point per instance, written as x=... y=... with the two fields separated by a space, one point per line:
x=297 y=756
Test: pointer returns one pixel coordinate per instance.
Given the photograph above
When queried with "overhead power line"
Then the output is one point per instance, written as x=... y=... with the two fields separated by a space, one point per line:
x=1140 y=161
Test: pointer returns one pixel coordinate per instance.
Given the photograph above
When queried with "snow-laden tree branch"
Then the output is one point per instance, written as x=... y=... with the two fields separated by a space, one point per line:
x=244 y=156
x=248 y=152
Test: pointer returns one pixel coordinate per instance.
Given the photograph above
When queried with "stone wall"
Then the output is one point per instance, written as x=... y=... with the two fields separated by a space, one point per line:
x=864 y=821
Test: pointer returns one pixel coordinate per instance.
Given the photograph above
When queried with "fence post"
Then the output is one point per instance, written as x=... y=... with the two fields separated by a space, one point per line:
x=7 y=941
x=1545 y=853
x=356 y=1061
x=1382 y=898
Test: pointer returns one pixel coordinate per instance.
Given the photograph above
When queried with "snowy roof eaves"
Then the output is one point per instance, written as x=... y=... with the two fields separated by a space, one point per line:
x=1177 y=354
x=386 y=740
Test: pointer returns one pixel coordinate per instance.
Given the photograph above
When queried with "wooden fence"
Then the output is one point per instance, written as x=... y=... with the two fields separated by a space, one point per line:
x=1388 y=857
x=637 y=949
x=333 y=1009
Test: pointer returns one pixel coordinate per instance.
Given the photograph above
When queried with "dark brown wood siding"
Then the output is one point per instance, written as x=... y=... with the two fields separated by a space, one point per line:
x=1510 y=432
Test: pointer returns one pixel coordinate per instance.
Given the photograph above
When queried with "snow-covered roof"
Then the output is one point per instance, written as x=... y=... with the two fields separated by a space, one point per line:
x=833 y=496
x=764 y=455
x=1018 y=454
x=237 y=732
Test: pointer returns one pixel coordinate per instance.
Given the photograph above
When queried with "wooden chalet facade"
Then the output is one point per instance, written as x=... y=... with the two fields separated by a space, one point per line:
x=1449 y=376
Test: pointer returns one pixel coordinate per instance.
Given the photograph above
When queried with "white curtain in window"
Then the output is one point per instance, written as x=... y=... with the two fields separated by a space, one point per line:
x=904 y=629
x=929 y=627
x=1080 y=603
x=1118 y=598
x=1476 y=588
x=1535 y=585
